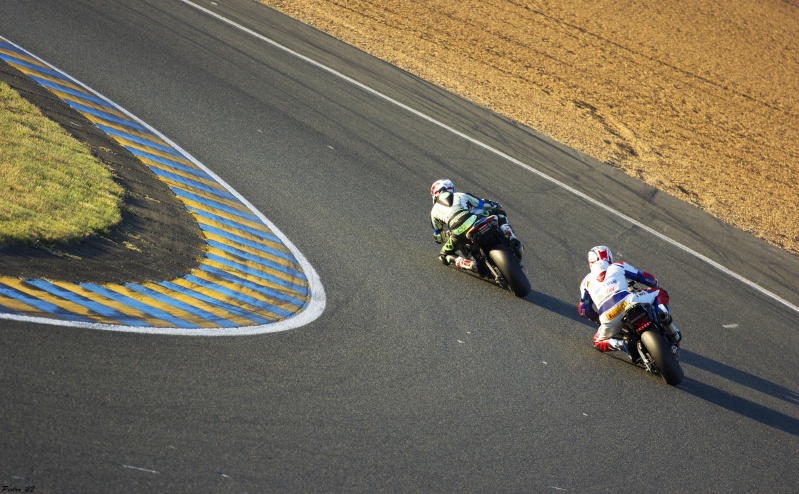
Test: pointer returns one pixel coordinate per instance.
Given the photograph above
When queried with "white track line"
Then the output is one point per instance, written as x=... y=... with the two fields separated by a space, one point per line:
x=527 y=167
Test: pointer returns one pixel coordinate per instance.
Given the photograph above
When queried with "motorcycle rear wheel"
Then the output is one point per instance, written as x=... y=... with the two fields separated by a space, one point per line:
x=511 y=270
x=667 y=363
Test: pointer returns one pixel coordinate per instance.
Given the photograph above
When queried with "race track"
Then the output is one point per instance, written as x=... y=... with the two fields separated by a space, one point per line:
x=414 y=378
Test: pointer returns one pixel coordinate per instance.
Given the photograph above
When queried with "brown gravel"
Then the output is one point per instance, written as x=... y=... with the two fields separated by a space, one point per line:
x=697 y=98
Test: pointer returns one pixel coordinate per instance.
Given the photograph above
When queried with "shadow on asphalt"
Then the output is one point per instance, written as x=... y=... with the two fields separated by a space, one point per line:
x=558 y=306
x=741 y=406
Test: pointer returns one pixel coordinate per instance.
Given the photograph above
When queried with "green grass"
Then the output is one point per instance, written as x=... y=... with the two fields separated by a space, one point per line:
x=52 y=190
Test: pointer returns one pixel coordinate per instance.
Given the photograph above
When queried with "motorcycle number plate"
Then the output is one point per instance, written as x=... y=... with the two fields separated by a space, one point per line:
x=616 y=310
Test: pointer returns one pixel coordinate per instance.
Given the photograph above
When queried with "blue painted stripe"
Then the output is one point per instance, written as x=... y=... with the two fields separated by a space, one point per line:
x=257 y=259
x=92 y=305
x=247 y=242
x=612 y=301
x=58 y=87
x=246 y=314
x=169 y=163
x=39 y=304
x=255 y=272
x=238 y=226
x=212 y=318
x=139 y=140
x=6 y=46
x=270 y=292
x=140 y=306
x=195 y=185
x=105 y=116
x=35 y=67
x=239 y=296
x=214 y=204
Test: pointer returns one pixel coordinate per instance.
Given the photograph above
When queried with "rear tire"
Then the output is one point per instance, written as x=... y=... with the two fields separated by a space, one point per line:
x=511 y=270
x=667 y=363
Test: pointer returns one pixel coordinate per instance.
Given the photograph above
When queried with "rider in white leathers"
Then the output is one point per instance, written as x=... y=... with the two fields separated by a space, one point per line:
x=458 y=211
x=604 y=295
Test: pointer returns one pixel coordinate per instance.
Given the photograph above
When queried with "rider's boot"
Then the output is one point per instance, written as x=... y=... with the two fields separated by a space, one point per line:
x=465 y=264
x=514 y=242
x=611 y=345
x=667 y=322
x=619 y=345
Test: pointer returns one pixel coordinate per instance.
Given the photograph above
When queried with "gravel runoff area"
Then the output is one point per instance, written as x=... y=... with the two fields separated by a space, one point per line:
x=698 y=99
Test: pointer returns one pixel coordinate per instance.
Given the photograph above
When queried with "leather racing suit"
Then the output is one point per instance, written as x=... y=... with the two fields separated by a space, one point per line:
x=458 y=212
x=604 y=296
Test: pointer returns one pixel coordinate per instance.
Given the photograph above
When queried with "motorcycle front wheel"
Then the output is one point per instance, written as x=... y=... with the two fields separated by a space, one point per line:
x=666 y=361
x=509 y=266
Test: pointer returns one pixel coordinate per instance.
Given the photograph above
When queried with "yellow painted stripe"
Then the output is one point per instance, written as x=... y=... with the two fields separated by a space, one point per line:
x=122 y=128
x=16 y=305
x=245 y=307
x=251 y=250
x=174 y=159
x=171 y=310
x=100 y=299
x=49 y=78
x=26 y=58
x=228 y=216
x=187 y=175
x=254 y=265
x=58 y=301
x=144 y=147
x=108 y=109
x=206 y=195
x=147 y=147
x=227 y=227
x=199 y=304
x=250 y=292
x=258 y=281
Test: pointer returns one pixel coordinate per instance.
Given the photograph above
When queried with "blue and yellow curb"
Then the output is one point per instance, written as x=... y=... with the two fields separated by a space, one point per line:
x=251 y=280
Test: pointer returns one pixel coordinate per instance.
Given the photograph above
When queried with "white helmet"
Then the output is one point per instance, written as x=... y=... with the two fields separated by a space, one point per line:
x=599 y=253
x=441 y=186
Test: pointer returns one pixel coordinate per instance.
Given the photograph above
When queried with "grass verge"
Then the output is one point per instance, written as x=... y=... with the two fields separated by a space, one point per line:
x=52 y=190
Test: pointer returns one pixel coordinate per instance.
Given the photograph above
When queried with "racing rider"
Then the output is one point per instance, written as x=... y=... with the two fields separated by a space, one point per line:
x=458 y=211
x=604 y=295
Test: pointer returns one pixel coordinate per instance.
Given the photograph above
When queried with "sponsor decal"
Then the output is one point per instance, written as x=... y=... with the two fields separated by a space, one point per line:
x=612 y=313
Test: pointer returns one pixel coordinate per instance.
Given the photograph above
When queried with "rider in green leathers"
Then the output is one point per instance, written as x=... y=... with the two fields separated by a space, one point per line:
x=458 y=211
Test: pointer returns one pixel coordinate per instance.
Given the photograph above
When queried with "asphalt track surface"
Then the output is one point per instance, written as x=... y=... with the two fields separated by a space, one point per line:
x=415 y=378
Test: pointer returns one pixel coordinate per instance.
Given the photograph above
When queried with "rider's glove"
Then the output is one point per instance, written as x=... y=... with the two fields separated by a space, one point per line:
x=587 y=311
x=649 y=279
x=586 y=307
x=444 y=259
x=494 y=208
x=438 y=238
